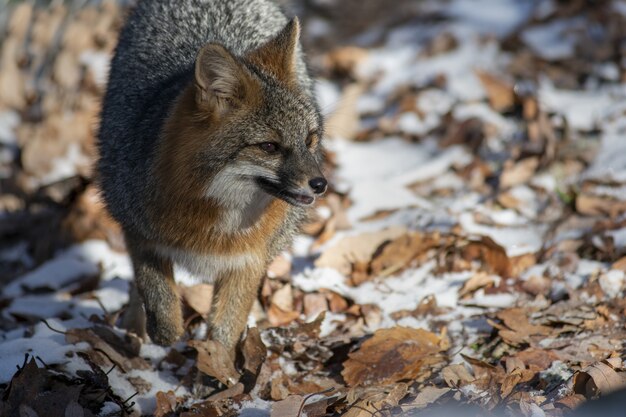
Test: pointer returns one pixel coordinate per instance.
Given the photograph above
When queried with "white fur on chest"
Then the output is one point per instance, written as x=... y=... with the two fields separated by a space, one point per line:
x=208 y=267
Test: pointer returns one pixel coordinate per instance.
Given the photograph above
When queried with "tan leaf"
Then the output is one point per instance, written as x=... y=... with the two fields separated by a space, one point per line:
x=518 y=173
x=253 y=351
x=314 y=303
x=520 y=329
x=428 y=395
x=499 y=92
x=601 y=378
x=491 y=254
x=289 y=407
x=214 y=360
x=591 y=205
x=456 y=375
x=392 y=355
x=356 y=248
x=165 y=403
x=479 y=280
x=394 y=256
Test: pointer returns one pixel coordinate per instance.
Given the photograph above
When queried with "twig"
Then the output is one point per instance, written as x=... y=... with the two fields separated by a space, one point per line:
x=51 y=328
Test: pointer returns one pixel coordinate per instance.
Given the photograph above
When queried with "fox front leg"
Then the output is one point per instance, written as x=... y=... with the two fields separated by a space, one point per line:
x=154 y=279
x=234 y=294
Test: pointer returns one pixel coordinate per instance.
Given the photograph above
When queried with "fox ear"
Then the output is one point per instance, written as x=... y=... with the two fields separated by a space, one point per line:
x=279 y=55
x=221 y=81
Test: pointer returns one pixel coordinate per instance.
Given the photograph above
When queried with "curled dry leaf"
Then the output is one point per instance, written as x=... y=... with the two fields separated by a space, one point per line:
x=601 y=378
x=253 y=351
x=397 y=254
x=214 y=360
x=354 y=249
x=456 y=375
x=393 y=355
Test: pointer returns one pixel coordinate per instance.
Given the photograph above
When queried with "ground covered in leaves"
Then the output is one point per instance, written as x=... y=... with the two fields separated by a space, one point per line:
x=471 y=251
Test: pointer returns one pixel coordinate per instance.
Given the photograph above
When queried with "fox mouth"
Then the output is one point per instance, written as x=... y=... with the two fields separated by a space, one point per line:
x=292 y=197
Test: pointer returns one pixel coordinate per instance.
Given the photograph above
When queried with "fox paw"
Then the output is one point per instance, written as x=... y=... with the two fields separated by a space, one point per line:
x=164 y=332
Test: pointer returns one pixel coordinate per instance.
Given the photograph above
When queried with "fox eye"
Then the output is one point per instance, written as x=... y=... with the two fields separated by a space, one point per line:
x=269 y=147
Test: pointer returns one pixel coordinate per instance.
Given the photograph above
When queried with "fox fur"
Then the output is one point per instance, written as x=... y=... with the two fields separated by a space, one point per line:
x=210 y=152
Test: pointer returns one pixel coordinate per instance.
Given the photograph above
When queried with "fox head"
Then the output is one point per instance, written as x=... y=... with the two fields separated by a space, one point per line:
x=249 y=126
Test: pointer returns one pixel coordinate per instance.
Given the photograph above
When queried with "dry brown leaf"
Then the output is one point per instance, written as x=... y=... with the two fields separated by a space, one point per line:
x=518 y=173
x=591 y=205
x=125 y=363
x=281 y=311
x=601 y=378
x=396 y=255
x=356 y=248
x=456 y=375
x=519 y=329
x=479 y=280
x=427 y=396
x=198 y=297
x=392 y=355
x=500 y=93
x=289 y=407
x=253 y=351
x=314 y=304
x=214 y=360
x=491 y=254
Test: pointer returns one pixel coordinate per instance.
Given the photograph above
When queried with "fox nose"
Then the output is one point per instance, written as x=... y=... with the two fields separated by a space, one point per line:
x=318 y=185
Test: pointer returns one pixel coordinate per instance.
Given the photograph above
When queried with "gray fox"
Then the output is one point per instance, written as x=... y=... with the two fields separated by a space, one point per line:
x=210 y=152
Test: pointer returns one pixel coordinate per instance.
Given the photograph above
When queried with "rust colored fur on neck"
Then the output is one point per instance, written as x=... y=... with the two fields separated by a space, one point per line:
x=188 y=219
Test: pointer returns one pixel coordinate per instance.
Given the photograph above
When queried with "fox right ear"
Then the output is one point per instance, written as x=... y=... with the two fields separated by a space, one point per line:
x=221 y=81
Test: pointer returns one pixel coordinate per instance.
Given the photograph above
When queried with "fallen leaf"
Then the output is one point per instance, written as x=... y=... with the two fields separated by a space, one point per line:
x=516 y=173
x=254 y=353
x=356 y=248
x=392 y=355
x=289 y=407
x=456 y=375
x=165 y=403
x=500 y=93
x=518 y=328
x=428 y=395
x=395 y=255
x=601 y=378
x=214 y=360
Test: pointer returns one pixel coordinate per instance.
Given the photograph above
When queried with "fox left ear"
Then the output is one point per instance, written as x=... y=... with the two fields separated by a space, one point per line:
x=279 y=55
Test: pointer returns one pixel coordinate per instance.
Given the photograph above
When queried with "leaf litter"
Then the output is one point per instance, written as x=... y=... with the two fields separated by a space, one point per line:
x=471 y=251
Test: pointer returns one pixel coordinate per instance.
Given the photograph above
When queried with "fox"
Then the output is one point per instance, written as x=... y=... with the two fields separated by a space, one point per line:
x=210 y=154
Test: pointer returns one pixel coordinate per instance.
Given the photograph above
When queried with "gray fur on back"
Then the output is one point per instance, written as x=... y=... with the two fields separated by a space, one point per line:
x=153 y=63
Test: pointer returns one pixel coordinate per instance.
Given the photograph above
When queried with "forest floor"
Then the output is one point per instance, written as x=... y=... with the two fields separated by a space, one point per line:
x=470 y=252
